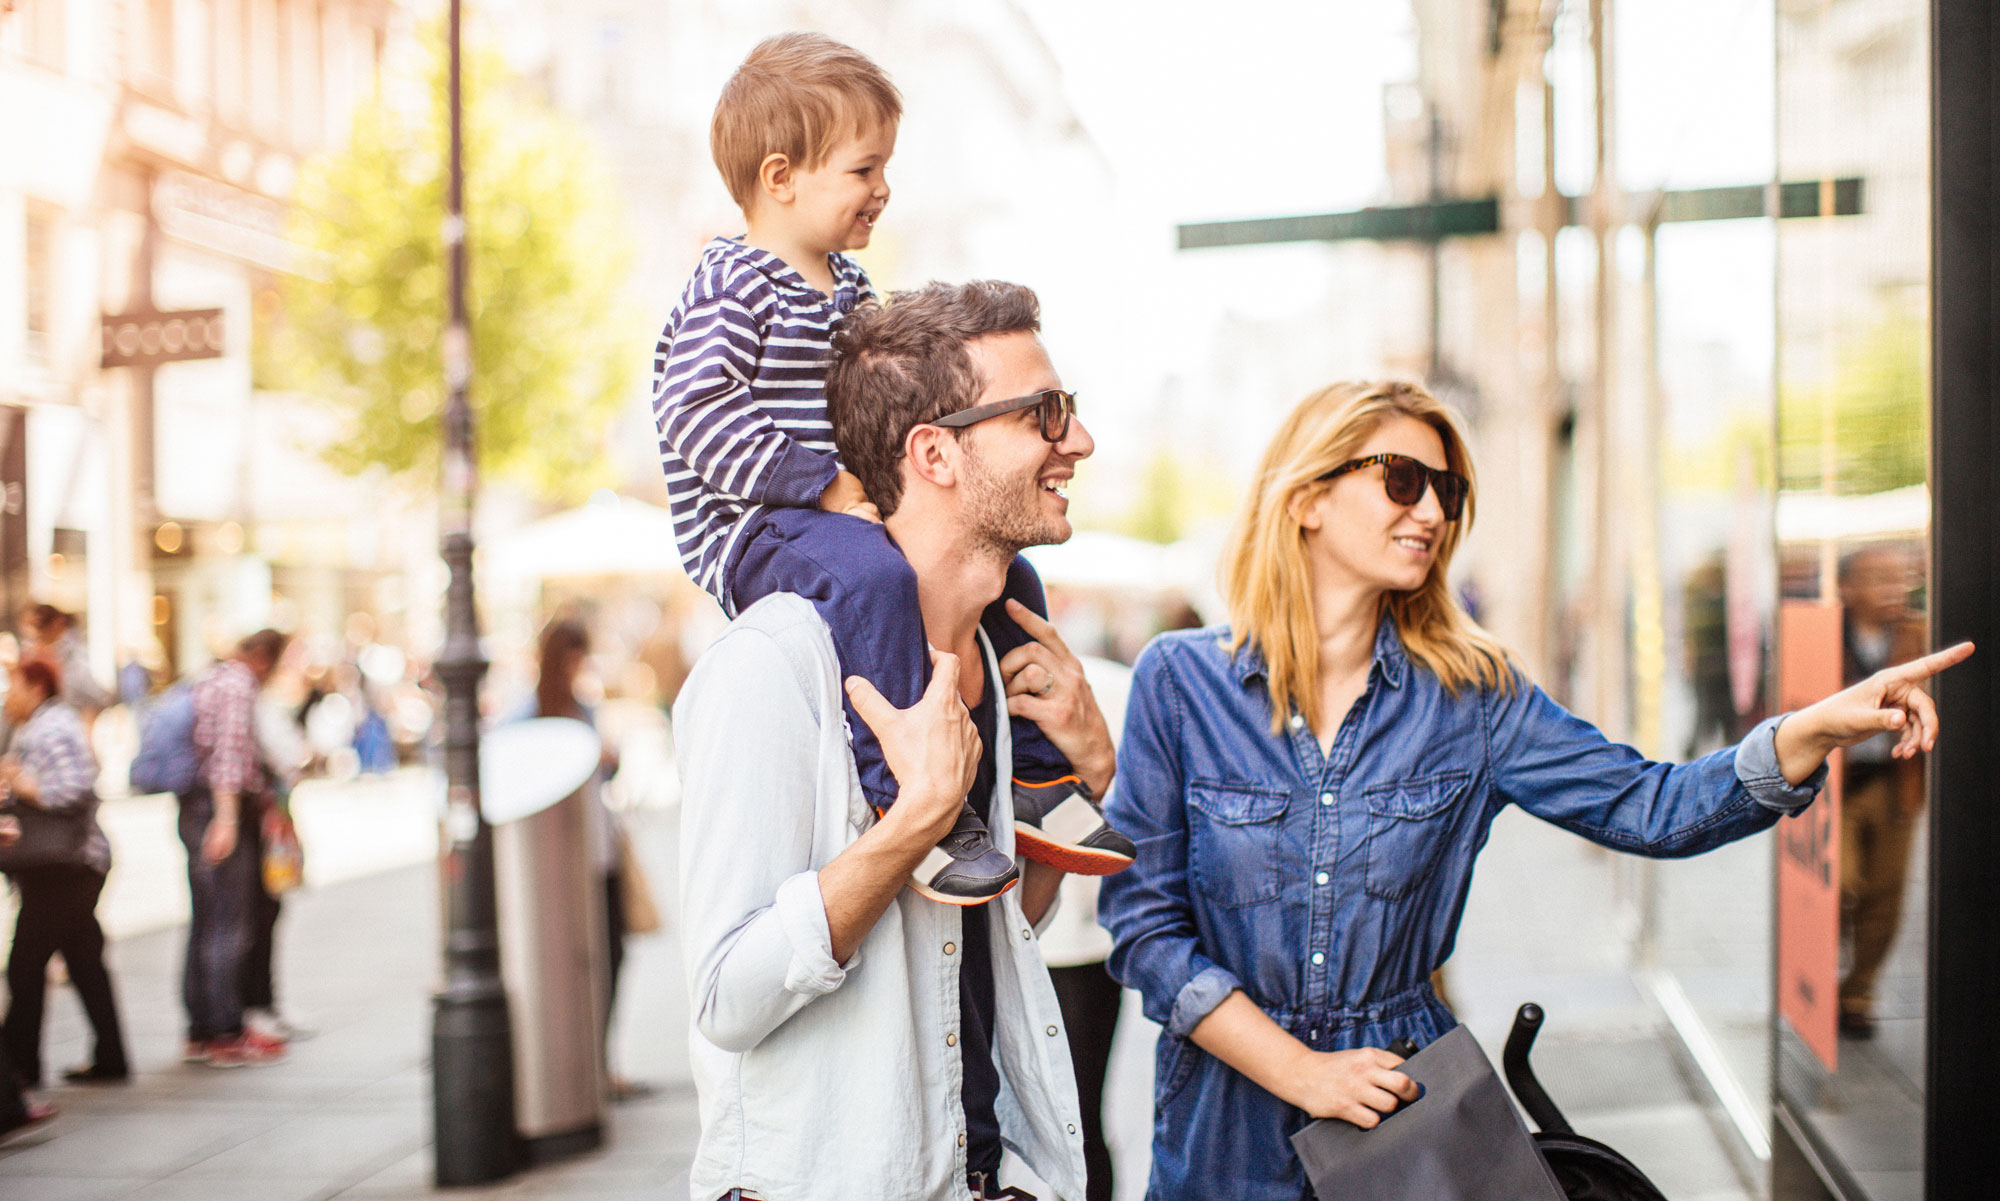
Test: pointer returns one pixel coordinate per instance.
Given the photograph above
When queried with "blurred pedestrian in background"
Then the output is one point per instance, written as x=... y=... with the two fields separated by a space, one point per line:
x=49 y=776
x=283 y=753
x=53 y=635
x=1075 y=947
x=219 y=827
x=18 y=1111
x=564 y=650
x=135 y=679
x=1310 y=787
x=1881 y=796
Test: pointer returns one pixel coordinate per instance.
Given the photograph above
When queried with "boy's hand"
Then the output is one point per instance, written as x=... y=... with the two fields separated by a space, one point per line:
x=866 y=511
x=843 y=494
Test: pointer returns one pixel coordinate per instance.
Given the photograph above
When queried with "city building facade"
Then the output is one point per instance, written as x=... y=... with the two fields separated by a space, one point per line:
x=153 y=484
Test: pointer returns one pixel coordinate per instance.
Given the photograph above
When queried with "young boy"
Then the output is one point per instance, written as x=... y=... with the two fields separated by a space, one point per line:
x=802 y=135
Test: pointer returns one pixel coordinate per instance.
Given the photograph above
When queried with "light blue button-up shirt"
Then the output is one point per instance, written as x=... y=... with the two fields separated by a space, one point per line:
x=1327 y=886
x=819 y=1079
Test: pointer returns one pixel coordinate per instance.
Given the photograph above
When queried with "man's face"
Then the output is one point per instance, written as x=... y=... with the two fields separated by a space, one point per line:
x=1877 y=588
x=1015 y=481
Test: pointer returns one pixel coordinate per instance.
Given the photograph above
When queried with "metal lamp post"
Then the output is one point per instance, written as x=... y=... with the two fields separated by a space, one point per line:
x=472 y=1060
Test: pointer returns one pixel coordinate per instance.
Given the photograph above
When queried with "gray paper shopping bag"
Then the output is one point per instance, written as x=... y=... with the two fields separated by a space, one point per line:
x=1461 y=1141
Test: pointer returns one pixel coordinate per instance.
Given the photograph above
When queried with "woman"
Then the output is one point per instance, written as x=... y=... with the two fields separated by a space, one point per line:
x=50 y=768
x=1309 y=787
x=565 y=645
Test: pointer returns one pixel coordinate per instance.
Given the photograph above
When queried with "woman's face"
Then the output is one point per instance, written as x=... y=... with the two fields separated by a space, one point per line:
x=1356 y=537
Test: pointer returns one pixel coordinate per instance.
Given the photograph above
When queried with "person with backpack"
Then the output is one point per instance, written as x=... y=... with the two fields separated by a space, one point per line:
x=166 y=760
x=219 y=816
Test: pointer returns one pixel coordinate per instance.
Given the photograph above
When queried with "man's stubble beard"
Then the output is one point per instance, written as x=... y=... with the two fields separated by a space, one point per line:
x=1006 y=518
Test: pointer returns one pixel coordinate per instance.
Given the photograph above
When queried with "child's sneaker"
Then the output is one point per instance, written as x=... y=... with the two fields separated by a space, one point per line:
x=1056 y=823
x=965 y=868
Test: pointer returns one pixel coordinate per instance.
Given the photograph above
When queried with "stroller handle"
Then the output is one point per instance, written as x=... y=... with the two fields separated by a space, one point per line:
x=1521 y=1076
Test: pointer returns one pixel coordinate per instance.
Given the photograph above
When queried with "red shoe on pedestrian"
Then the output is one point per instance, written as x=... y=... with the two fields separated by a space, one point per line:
x=194 y=1050
x=248 y=1049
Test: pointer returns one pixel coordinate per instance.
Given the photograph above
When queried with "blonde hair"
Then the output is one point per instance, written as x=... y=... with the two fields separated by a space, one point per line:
x=796 y=95
x=1267 y=579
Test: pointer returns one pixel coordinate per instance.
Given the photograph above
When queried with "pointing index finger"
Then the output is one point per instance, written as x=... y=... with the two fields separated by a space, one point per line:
x=1935 y=662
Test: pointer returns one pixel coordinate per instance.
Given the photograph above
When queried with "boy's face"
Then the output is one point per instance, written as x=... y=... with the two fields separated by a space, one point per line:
x=835 y=205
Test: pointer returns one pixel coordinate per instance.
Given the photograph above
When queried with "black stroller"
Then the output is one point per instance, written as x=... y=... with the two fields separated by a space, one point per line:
x=1586 y=1169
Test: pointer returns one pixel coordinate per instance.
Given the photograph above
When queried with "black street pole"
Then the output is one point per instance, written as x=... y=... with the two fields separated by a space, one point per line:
x=472 y=1058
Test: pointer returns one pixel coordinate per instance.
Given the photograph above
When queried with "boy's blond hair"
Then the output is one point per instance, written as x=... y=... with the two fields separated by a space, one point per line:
x=796 y=95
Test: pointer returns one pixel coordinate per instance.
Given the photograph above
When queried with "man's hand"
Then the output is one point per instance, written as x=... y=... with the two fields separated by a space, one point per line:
x=1046 y=685
x=933 y=751
x=1358 y=1086
x=1890 y=700
x=218 y=842
x=932 y=747
x=846 y=495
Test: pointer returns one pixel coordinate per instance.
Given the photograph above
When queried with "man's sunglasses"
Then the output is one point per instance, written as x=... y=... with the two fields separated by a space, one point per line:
x=1057 y=406
x=1405 y=479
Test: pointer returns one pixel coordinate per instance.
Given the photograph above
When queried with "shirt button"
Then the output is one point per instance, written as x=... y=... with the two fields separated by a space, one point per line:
x=1313 y=1035
x=1027 y=933
x=1319 y=957
x=952 y=946
x=1326 y=798
x=951 y=1040
x=1053 y=1031
x=1072 y=1127
x=961 y=1140
x=1298 y=720
x=1321 y=878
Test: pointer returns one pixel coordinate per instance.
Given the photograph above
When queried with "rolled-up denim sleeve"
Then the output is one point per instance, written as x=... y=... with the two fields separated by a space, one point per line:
x=756 y=940
x=1156 y=947
x=1757 y=767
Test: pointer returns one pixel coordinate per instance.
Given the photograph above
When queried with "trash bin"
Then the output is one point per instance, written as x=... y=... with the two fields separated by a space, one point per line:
x=534 y=789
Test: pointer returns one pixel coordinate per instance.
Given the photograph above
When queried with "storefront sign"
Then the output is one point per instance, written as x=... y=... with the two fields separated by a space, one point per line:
x=230 y=221
x=1809 y=844
x=146 y=339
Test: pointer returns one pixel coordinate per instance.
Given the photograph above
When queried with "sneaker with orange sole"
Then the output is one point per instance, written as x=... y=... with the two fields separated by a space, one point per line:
x=1057 y=823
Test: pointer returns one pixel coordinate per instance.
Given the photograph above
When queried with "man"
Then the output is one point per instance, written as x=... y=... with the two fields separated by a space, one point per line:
x=1881 y=797
x=218 y=826
x=853 y=1038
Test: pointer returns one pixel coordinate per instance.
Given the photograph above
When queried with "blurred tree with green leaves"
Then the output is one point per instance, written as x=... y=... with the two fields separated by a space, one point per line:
x=1878 y=403
x=1174 y=494
x=547 y=250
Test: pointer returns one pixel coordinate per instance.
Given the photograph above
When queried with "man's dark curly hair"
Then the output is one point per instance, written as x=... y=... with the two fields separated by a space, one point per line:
x=898 y=366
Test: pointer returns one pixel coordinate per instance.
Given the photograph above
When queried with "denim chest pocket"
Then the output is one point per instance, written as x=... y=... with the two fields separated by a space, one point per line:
x=1233 y=834
x=1409 y=826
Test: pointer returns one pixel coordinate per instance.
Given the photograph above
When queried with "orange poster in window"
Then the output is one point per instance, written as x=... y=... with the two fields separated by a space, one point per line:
x=1809 y=844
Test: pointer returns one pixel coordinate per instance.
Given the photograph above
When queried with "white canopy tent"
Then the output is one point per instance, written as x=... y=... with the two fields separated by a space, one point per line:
x=610 y=536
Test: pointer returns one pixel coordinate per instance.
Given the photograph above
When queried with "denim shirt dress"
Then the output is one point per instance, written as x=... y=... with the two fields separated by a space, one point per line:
x=1326 y=887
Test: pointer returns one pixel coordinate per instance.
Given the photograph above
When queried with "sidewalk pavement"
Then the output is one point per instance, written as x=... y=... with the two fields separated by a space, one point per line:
x=347 y=1115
